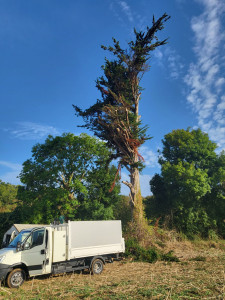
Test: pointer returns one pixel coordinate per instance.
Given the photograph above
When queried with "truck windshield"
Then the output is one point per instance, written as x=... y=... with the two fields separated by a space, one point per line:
x=20 y=238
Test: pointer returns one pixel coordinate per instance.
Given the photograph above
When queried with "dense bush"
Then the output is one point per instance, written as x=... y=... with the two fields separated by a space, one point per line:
x=139 y=253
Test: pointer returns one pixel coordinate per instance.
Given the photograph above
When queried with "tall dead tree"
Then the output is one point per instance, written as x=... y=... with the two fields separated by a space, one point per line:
x=115 y=118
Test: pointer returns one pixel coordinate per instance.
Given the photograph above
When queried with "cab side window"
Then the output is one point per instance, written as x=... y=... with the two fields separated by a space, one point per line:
x=38 y=237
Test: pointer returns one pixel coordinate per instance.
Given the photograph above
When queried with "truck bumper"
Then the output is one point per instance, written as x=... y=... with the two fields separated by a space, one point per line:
x=4 y=270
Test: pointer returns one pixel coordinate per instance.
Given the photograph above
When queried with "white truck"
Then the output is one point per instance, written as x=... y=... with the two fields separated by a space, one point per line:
x=53 y=249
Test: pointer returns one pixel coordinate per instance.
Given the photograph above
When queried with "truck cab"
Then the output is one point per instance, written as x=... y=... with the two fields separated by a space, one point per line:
x=27 y=255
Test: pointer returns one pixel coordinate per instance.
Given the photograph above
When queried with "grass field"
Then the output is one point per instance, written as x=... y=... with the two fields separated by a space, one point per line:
x=199 y=275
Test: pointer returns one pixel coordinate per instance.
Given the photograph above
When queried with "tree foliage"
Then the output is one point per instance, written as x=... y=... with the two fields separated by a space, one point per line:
x=8 y=193
x=8 y=204
x=68 y=175
x=115 y=117
x=190 y=189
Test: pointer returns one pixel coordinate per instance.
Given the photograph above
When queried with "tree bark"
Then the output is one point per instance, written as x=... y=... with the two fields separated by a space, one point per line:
x=135 y=195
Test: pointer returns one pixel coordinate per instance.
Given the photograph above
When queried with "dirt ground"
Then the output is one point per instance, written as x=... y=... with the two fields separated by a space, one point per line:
x=200 y=274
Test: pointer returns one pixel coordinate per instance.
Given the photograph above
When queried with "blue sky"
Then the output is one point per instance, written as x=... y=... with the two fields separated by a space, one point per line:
x=51 y=57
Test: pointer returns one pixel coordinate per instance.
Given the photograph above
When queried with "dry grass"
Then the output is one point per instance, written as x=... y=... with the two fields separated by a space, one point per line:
x=199 y=275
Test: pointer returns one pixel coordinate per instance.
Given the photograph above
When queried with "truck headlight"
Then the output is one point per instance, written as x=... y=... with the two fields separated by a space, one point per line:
x=2 y=258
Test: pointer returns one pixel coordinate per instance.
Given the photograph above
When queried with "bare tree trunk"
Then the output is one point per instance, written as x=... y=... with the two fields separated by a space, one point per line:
x=136 y=203
x=135 y=195
x=135 y=190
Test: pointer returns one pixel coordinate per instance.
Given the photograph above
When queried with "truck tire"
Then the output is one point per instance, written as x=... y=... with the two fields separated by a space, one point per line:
x=16 y=278
x=97 y=266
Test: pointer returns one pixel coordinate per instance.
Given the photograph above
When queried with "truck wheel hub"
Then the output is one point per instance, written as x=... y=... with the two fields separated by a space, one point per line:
x=17 y=279
x=97 y=267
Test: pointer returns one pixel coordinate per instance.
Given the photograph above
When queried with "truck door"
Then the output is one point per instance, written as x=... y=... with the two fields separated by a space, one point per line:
x=34 y=252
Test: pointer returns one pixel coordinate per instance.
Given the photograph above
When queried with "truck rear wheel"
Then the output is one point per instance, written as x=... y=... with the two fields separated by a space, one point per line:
x=16 y=278
x=97 y=266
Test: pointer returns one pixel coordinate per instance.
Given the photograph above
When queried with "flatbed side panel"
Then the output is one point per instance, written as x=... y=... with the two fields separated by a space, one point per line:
x=94 y=233
x=95 y=251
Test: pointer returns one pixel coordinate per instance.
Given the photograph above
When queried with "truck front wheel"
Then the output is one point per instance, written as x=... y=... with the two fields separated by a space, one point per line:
x=16 y=278
x=97 y=266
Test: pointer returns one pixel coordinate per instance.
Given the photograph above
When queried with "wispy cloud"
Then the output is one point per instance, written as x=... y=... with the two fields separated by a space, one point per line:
x=11 y=175
x=32 y=131
x=174 y=63
x=127 y=16
x=205 y=78
x=127 y=10
x=150 y=157
x=170 y=60
x=12 y=166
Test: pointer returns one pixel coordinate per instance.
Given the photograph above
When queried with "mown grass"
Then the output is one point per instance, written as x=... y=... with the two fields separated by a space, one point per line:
x=198 y=275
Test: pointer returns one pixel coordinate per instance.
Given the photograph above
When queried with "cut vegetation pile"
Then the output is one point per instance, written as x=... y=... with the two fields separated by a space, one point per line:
x=199 y=274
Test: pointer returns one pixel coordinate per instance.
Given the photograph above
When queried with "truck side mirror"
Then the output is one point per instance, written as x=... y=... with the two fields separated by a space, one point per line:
x=18 y=246
x=26 y=246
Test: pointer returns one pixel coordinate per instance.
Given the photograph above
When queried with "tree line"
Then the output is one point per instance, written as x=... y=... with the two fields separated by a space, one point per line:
x=189 y=194
x=71 y=176
x=67 y=176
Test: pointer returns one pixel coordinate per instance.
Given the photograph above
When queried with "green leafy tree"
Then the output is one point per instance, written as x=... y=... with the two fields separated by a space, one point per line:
x=8 y=203
x=123 y=212
x=99 y=202
x=8 y=193
x=190 y=188
x=115 y=118
x=67 y=175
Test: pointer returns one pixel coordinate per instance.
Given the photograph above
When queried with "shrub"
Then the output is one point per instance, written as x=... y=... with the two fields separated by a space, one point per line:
x=198 y=258
x=139 y=253
x=169 y=257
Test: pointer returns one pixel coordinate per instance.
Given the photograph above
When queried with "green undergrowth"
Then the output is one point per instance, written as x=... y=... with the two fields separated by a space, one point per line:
x=138 y=253
x=198 y=258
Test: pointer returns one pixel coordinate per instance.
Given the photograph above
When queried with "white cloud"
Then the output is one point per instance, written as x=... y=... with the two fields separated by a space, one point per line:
x=150 y=157
x=11 y=175
x=168 y=59
x=32 y=131
x=115 y=12
x=127 y=16
x=158 y=54
x=127 y=10
x=205 y=78
x=12 y=166
x=174 y=63
x=219 y=84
